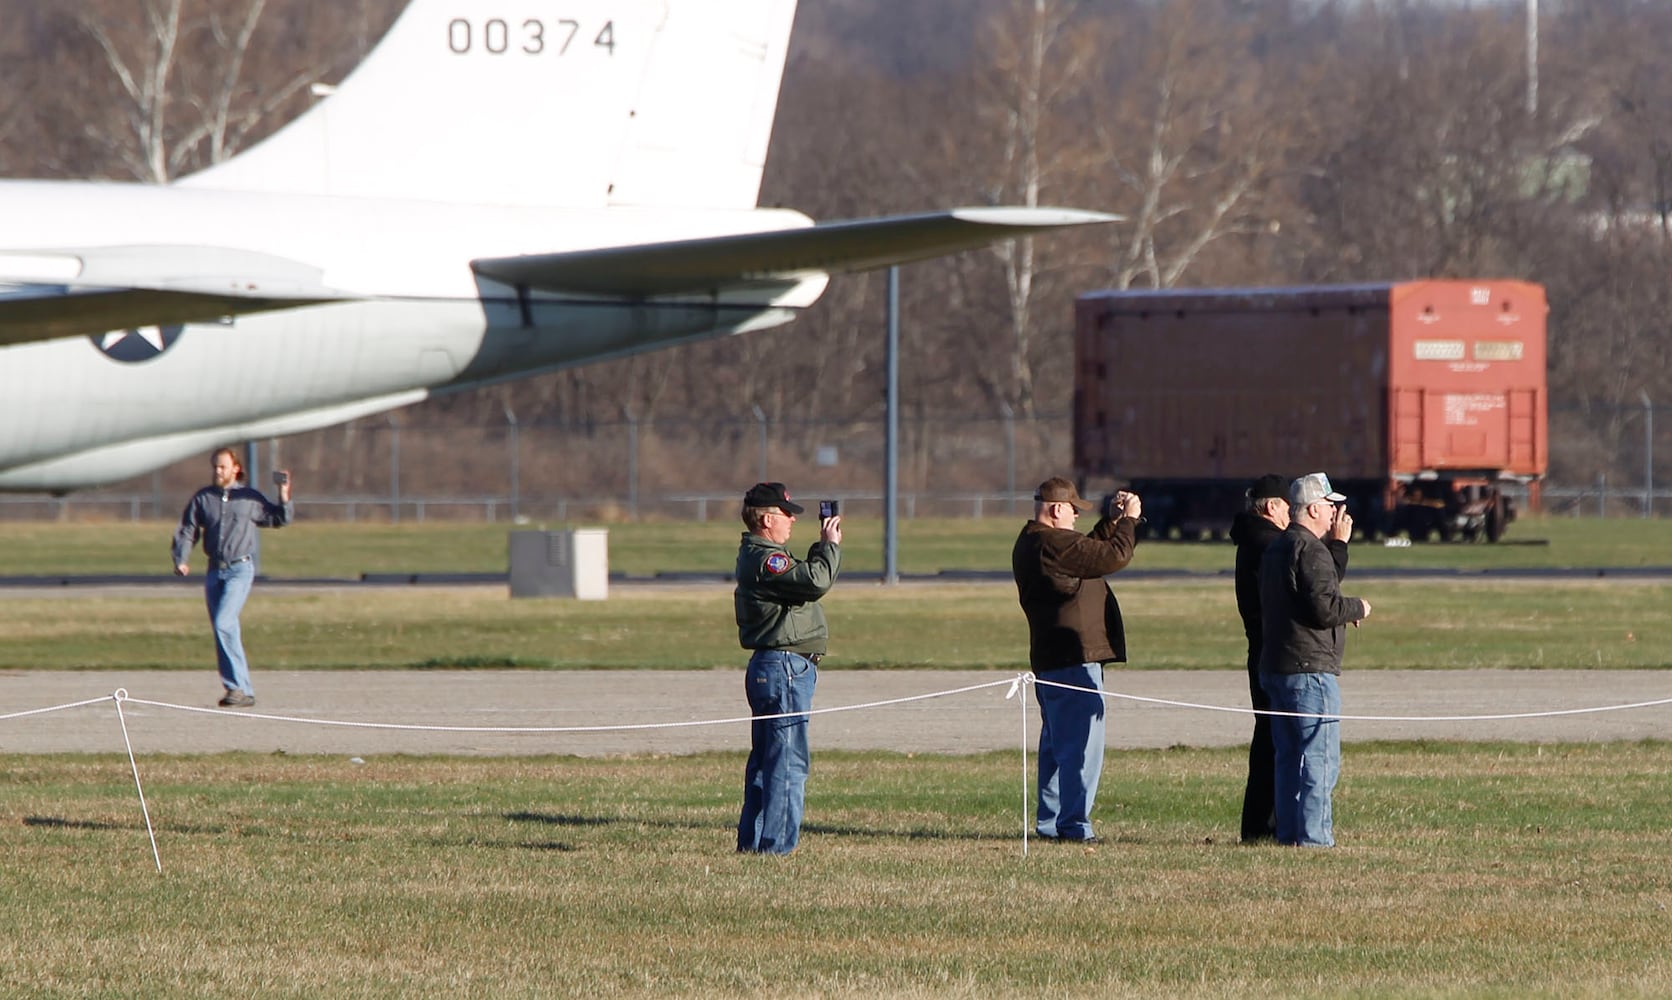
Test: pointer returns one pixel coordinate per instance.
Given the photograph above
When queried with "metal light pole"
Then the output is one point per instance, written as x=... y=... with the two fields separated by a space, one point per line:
x=632 y=462
x=1648 y=454
x=1532 y=57
x=252 y=479
x=891 y=474
x=1009 y=455
x=511 y=423
x=394 y=470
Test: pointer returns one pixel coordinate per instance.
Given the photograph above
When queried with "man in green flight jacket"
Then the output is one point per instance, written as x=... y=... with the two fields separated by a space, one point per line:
x=780 y=619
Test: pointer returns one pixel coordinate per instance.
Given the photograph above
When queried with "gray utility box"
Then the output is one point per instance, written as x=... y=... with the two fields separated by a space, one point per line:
x=572 y=563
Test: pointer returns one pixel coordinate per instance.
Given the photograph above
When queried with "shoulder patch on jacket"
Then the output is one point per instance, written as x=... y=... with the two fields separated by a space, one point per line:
x=777 y=563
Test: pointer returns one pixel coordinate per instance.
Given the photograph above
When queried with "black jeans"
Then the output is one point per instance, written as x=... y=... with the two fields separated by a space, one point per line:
x=1259 y=818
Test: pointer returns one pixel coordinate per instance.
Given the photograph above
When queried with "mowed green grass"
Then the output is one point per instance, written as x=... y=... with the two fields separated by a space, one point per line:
x=336 y=549
x=1477 y=870
x=1463 y=870
x=1171 y=623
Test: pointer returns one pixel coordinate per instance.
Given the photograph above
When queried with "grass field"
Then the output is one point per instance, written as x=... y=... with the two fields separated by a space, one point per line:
x=1191 y=622
x=1171 y=623
x=1463 y=871
x=334 y=549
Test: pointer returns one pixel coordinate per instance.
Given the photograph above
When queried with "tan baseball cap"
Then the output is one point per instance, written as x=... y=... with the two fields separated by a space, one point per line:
x=1060 y=490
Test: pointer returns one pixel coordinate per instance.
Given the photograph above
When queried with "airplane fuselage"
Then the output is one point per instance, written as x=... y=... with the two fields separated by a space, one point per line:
x=413 y=318
x=497 y=190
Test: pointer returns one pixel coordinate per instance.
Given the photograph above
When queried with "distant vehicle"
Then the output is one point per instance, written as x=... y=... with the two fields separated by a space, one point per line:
x=1423 y=400
x=498 y=190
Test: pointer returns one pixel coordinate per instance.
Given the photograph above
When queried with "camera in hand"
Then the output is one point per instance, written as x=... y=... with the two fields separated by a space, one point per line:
x=281 y=478
x=829 y=508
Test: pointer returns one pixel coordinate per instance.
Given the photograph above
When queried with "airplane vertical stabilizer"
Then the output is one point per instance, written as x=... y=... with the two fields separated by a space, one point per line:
x=706 y=145
x=597 y=102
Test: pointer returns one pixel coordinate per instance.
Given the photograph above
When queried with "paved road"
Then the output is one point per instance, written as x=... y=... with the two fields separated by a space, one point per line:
x=969 y=722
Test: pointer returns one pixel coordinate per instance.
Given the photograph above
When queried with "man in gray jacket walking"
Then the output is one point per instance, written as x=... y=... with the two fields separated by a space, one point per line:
x=1304 y=617
x=224 y=516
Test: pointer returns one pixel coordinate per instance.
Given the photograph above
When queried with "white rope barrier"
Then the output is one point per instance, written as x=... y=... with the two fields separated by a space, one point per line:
x=1551 y=713
x=120 y=696
x=53 y=708
x=1016 y=687
x=621 y=727
x=1011 y=684
x=1019 y=691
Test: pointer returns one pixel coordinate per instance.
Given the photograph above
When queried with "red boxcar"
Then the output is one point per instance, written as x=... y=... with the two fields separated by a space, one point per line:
x=1422 y=400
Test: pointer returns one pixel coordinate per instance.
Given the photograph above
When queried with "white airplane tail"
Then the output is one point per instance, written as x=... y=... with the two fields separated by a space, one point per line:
x=656 y=103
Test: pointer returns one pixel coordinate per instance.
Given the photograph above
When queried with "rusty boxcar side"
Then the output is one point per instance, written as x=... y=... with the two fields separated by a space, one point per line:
x=1421 y=399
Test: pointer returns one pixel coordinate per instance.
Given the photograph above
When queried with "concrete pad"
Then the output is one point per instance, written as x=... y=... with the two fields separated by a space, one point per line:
x=680 y=712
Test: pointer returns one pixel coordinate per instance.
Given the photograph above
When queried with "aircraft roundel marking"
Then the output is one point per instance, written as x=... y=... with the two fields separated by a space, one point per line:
x=777 y=563
x=140 y=344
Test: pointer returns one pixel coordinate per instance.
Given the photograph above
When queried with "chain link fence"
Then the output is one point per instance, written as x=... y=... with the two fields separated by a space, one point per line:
x=670 y=468
x=388 y=469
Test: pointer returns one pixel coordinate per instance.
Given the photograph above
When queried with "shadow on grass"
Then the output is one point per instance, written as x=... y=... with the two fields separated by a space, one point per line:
x=60 y=823
x=560 y=820
x=547 y=819
x=828 y=829
x=555 y=846
x=949 y=835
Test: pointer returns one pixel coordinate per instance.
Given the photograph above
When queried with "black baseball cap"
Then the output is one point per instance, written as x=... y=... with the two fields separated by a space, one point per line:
x=771 y=495
x=1270 y=486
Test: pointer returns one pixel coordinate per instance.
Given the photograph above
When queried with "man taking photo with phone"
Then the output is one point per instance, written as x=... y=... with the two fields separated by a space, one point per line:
x=1304 y=618
x=780 y=620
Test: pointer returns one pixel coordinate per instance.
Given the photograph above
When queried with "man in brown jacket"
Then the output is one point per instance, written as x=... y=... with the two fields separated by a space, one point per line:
x=1074 y=627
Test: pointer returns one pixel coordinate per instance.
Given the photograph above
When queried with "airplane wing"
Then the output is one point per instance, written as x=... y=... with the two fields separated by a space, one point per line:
x=65 y=293
x=74 y=292
x=775 y=258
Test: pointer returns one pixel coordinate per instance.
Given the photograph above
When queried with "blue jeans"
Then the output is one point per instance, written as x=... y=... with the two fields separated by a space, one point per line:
x=1070 y=751
x=225 y=591
x=775 y=779
x=1308 y=755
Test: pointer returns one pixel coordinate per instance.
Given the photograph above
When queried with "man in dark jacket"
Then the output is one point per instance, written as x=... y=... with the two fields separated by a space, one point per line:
x=1074 y=627
x=1303 y=617
x=1253 y=529
x=780 y=619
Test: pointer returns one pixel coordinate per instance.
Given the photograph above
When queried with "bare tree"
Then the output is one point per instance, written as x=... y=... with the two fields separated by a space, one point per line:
x=1247 y=141
x=140 y=54
x=223 y=120
x=1040 y=66
x=1435 y=167
x=182 y=70
x=1611 y=56
x=1193 y=141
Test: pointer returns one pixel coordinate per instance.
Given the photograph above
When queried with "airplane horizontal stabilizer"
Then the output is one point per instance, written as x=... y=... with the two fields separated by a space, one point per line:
x=777 y=257
x=45 y=295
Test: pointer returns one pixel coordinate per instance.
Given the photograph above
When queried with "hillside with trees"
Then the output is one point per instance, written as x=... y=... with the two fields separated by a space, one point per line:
x=1246 y=142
